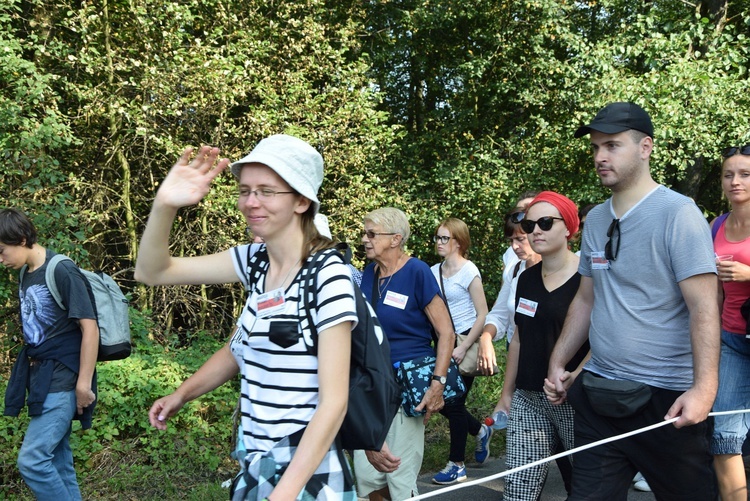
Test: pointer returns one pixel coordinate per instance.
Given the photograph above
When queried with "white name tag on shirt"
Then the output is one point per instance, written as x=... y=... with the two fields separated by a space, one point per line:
x=270 y=303
x=527 y=307
x=395 y=299
x=599 y=261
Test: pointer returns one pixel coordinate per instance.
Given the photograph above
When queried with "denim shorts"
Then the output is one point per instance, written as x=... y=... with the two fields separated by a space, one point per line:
x=734 y=394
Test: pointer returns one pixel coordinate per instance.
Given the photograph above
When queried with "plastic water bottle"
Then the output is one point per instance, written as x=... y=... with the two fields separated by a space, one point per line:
x=498 y=421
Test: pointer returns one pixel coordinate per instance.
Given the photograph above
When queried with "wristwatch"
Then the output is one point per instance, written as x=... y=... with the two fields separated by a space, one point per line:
x=442 y=379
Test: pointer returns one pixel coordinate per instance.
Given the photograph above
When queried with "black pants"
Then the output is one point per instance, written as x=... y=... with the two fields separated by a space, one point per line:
x=460 y=423
x=675 y=462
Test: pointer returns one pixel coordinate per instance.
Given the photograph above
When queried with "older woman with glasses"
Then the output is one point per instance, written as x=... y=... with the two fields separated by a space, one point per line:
x=407 y=299
x=731 y=236
x=536 y=427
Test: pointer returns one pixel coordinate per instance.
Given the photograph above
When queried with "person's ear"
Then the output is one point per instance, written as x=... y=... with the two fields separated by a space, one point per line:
x=303 y=203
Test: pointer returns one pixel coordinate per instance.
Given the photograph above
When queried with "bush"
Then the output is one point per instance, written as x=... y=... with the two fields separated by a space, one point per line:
x=121 y=453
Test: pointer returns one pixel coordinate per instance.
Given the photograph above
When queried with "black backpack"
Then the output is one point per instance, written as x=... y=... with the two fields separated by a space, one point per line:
x=374 y=394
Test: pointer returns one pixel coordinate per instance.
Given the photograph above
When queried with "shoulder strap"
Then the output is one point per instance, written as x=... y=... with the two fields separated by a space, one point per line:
x=49 y=276
x=252 y=266
x=21 y=274
x=717 y=225
x=374 y=295
x=345 y=251
x=307 y=300
x=516 y=269
x=445 y=298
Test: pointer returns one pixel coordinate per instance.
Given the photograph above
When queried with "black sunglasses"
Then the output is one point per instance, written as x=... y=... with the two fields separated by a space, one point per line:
x=545 y=223
x=516 y=217
x=608 y=253
x=732 y=151
x=439 y=238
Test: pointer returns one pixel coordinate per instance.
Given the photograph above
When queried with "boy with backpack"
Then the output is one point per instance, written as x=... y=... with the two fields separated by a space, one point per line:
x=56 y=364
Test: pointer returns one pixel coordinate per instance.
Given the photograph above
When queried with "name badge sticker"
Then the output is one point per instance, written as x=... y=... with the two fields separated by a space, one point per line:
x=527 y=307
x=599 y=261
x=395 y=299
x=270 y=303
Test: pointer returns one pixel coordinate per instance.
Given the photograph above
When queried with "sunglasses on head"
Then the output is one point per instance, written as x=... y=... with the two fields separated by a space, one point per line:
x=732 y=151
x=516 y=217
x=545 y=223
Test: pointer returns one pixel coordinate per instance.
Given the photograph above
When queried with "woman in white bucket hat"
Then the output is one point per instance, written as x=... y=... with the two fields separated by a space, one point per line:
x=292 y=402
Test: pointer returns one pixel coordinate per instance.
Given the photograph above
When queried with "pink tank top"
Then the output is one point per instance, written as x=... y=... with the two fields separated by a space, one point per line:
x=735 y=293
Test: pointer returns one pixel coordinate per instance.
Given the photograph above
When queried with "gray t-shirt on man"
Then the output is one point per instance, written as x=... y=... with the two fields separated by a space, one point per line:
x=640 y=322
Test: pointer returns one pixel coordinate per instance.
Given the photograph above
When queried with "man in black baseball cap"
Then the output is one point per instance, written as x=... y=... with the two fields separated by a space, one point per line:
x=647 y=305
x=619 y=117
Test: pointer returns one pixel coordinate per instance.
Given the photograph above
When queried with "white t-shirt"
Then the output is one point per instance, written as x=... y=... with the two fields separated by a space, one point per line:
x=279 y=375
x=457 y=294
x=503 y=311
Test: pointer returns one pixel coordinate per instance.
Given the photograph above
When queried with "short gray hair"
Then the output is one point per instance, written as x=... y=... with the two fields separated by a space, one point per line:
x=391 y=220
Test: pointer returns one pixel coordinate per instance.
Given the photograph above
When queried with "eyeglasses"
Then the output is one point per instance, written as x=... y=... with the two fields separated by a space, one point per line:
x=263 y=194
x=613 y=228
x=516 y=217
x=440 y=238
x=372 y=234
x=732 y=151
x=545 y=223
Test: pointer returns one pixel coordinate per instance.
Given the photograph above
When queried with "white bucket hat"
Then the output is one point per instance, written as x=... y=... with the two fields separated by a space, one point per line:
x=294 y=160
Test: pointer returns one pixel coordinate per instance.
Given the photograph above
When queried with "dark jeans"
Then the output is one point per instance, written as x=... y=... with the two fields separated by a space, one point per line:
x=675 y=462
x=460 y=423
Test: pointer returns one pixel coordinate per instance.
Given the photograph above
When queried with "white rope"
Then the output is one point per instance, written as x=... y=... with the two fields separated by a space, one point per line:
x=560 y=455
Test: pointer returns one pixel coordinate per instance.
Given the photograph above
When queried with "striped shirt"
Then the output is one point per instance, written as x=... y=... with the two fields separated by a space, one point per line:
x=279 y=373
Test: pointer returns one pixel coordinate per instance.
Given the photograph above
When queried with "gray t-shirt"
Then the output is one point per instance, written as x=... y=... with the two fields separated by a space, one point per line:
x=640 y=321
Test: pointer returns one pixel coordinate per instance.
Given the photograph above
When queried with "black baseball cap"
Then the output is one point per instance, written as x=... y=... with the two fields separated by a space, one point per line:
x=619 y=117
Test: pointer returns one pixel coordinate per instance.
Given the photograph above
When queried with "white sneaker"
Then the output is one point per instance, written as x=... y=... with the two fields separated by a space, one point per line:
x=640 y=484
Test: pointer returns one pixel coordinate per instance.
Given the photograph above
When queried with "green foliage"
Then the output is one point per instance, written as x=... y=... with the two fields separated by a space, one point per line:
x=447 y=108
x=122 y=444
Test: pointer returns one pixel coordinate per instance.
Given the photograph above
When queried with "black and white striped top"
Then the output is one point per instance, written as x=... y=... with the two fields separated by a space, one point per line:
x=279 y=374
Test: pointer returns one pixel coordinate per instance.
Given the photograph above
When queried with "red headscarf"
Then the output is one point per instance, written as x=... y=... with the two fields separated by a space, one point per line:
x=566 y=207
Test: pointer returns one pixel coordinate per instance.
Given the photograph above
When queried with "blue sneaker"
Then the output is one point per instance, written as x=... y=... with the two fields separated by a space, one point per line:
x=482 y=452
x=451 y=474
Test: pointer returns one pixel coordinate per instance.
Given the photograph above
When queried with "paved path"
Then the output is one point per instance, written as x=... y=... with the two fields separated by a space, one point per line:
x=492 y=490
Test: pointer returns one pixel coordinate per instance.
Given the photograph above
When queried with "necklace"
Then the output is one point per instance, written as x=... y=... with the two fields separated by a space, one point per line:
x=545 y=275
x=385 y=288
x=281 y=285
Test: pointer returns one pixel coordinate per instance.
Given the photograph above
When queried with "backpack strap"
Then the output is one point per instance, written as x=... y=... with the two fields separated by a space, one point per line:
x=254 y=265
x=717 y=224
x=310 y=297
x=49 y=276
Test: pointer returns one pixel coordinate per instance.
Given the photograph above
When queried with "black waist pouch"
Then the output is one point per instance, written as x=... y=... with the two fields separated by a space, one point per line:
x=617 y=398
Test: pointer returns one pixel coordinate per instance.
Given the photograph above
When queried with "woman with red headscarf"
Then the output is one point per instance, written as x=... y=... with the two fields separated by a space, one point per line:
x=544 y=293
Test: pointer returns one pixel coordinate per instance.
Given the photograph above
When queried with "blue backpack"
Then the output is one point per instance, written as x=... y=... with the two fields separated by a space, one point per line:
x=110 y=305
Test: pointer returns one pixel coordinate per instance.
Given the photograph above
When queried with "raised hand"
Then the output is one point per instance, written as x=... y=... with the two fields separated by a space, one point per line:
x=189 y=180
